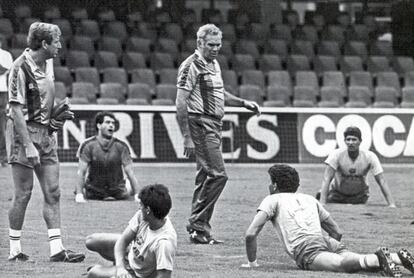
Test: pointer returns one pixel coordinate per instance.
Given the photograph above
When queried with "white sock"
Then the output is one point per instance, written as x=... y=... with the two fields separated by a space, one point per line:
x=15 y=245
x=395 y=258
x=369 y=261
x=55 y=241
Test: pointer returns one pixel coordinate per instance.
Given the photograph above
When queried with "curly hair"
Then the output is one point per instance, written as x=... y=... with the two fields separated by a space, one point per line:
x=157 y=198
x=99 y=118
x=286 y=177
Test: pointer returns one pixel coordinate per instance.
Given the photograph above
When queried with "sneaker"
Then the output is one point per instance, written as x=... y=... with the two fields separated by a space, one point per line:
x=198 y=238
x=387 y=266
x=213 y=241
x=67 y=256
x=407 y=259
x=21 y=257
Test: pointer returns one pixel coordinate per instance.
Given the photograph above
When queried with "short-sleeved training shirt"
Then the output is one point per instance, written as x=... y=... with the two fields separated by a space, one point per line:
x=105 y=161
x=33 y=88
x=350 y=176
x=295 y=216
x=151 y=250
x=6 y=61
x=205 y=85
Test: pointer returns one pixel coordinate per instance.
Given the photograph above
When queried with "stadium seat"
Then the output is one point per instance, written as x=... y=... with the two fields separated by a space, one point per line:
x=407 y=99
x=241 y=62
x=140 y=91
x=344 y=19
x=168 y=76
x=222 y=60
x=133 y=60
x=76 y=59
x=159 y=60
x=322 y=63
x=299 y=47
x=356 y=48
x=22 y=11
x=381 y=48
x=172 y=31
x=230 y=81
x=135 y=44
x=377 y=64
x=60 y=90
x=307 y=79
x=335 y=79
x=244 y=46
x=304 y=97
x=385 y=97
x=258 y=33
x=144 y=30
x=297 y=63
x=82 y=43
x=253 y=77
x=65 y=27
x=334 y=33
x=113 y=90
x=166 y=91
x=111 y=44
x=277 y=47
x=229 y=33
x=348 y=64
x=291 y=18
x=163 y=101
x=24 y=24
x=105 y=59
x=105 y=15
x=79 y=13
x=115 y=75
x=280 y=78
x=84 y=90
x=307 y=33
x=402 y=65
x=87 y=74
x=79 y=100
x=389 y=79
x=107 y=101
x=358 y=97
x=62 y=74
x=362 y=78
x=167 y=46
x=278 y=96
x=143 y=76
x=409 y=79
x=358 y=32
x=252 y=93
x=137 y=101
x=116 y=29
x=318 y=20
x=226 y=48
x=329 y=48
x=268 y=62
x=189 y=45
x=89 y=28
x=330 y=97
x=281 y=32
x=19 y=41
x=6 y=28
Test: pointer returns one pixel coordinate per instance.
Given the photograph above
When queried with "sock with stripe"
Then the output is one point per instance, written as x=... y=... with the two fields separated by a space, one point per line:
x=369 y=261
x=15 y=245
x=55 y=241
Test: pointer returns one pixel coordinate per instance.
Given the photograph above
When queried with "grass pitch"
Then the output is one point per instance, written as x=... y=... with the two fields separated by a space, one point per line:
x=365 y=226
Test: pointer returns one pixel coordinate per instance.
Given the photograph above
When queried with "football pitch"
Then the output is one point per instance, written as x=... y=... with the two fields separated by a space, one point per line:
x=365 y=227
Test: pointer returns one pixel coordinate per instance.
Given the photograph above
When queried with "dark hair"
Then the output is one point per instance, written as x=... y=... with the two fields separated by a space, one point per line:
x=40 y=31
x=286 y=177
x=157 y=197
x=353 y=131
x=99 y=118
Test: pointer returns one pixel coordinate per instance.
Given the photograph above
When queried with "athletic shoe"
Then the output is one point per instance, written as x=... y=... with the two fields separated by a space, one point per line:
x=213 y=241
x=387 y=266
x=198 y=238
x=67 y=256
x=407 y=259
x=21 y=257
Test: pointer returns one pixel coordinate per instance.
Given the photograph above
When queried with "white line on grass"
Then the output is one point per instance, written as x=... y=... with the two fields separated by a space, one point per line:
x=229 y=257
x=42 y=233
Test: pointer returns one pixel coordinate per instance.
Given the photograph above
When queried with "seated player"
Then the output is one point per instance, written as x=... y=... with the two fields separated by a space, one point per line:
x=147 y=246
x=350 y=167
x=102 y=162
x=299 y=219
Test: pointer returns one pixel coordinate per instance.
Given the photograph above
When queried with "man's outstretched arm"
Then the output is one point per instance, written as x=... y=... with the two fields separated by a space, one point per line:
x=252 y=232
x=385 y=190
x=327 y=178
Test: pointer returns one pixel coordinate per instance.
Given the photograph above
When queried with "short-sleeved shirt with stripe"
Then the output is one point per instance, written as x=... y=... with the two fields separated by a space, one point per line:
x=205 y=84
x=105 y=161
x=350 y=176
x=33 y=88
x=296 y=218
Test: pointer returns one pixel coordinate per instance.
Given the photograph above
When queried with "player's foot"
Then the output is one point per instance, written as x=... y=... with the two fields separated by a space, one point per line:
x=407 y=259
x=68 y=257
x=213 y=241
x=198 y=238
x=387 y=266
x=21 y=257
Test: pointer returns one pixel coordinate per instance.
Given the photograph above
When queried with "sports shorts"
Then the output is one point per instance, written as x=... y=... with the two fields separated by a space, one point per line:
x=306 y=252
x=100 y=192
x=44 y=142
x=335 y=196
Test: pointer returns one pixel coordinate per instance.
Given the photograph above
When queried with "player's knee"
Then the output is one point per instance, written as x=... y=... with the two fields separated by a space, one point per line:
x=23 y=197
x=90 y=242
x=52 y=196
x=92 y=272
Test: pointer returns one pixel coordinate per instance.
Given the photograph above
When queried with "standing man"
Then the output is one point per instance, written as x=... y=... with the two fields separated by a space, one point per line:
x=102 y=160
x=350 y=167
x=299 y=219
x=6 y=62
x=200 y=108
x=31 y=142
x=147 y=246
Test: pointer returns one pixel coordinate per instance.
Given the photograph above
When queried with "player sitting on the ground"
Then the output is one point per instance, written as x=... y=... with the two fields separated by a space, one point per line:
x=350 y=167
x=151 y=235
x=299 y=220
x=101 y=160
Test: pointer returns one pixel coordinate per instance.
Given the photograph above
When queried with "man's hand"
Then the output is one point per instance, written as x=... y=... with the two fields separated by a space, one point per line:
x=336 y=236
x=252 y=106
x=32 y=153
x=136 y=197
x=250 y=265
x=121 y=272
x=79 y=198
x=189 y=148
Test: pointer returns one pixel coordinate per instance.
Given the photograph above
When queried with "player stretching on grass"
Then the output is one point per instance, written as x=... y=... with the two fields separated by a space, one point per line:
x=299 y=219
x=102 y=162
x=31 y=142
x=147 y=246
x=350 y=167
x=200 y=108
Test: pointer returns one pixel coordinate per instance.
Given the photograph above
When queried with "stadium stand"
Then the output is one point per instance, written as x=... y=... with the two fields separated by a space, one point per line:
x=330 y=97
x=146 y=76
x=251 y=92
x=304 y=96
x=358 y=96
x=84 y=90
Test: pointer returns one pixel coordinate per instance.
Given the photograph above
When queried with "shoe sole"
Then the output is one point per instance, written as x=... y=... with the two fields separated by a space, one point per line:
x=388 y=267
x=75 y=259
x=407 y=259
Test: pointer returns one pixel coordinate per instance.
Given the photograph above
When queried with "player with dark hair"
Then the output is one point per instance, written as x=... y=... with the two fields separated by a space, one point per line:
x=33 y=118
x=299 y=219
x=350 y=167
x=147 y=246
x=200 y=109
x=102 y=162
